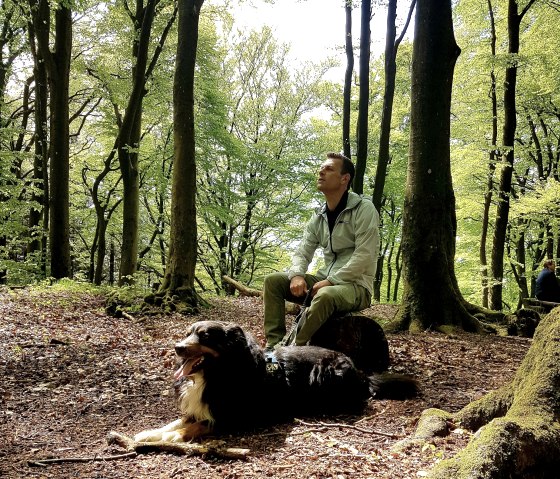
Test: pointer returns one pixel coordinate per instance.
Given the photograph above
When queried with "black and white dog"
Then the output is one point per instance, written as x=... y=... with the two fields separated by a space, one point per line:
x=227 y=385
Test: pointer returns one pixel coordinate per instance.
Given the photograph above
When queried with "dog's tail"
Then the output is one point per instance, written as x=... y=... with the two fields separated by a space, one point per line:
x=392 y=386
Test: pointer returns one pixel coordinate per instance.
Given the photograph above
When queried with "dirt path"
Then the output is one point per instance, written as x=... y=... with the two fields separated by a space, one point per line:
x=70 y=374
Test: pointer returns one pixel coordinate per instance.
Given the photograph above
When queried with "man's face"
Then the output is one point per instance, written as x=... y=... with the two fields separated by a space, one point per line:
x=552 y=266
x=330 y=176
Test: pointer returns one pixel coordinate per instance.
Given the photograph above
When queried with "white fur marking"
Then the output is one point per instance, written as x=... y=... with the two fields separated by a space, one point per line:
x=165 y=433
x=190 y=402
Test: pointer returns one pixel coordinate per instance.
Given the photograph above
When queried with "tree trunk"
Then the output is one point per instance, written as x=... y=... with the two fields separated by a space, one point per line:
x=38 y=216
x=363 y=108
x=129 y=142
x=518 y=434
x=398 y=265
x=508 y=138
x=347 y=82
x=180 y=273
x=391 y=48
x=431 y=295
x=57 y=65
x=491 y=167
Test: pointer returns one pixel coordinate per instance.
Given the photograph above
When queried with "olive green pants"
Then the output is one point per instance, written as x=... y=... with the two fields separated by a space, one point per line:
x=329 y=300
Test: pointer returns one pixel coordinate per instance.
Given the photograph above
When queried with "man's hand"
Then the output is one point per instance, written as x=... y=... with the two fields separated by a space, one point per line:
x=298 y=286
x=320 y=284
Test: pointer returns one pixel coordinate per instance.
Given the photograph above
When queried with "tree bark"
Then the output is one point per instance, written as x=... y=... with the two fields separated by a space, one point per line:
x=57 y=63
x=363 y=108
x=38 y=214
x=507 y=154
x=518 y=433
x=431 y=296
x=491 y=167
x=128 y=142
x=391 y=47
x=347 y=81
x=180 y=273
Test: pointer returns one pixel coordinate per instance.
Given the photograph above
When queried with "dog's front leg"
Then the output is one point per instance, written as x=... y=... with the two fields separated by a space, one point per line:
x=176 y=431
x=170 y=433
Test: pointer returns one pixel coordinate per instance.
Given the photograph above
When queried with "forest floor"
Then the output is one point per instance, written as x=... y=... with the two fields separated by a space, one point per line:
x=71 y=374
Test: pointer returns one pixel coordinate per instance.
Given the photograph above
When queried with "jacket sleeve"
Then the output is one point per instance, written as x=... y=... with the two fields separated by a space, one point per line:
x=363 y=262
x=306 y=249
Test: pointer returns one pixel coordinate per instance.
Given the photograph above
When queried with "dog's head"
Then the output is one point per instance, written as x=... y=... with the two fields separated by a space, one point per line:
x=211 y=342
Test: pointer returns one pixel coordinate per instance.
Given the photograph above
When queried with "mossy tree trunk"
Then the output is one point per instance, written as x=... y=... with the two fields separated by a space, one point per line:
x=518 y=434
x=178 y=283
x=431 y=295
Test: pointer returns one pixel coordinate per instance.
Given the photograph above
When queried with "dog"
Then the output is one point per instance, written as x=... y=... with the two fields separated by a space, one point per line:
x=226 y=385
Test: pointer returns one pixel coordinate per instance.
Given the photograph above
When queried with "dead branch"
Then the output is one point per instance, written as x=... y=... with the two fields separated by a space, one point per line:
x=349 y=426
x=213 y=448
x=61 y=460
x=125 y=315
x=243 y=290
x=291 y=308
x=52 y=342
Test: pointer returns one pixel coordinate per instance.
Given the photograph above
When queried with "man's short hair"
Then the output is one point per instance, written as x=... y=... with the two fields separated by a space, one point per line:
x=347 y=166
x=548 y=262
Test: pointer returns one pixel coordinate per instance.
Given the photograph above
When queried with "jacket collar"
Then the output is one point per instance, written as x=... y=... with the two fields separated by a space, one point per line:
x=354 y=200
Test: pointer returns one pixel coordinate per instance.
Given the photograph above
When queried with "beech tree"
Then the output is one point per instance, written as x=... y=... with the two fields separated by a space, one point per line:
x=363 y=106
x=180 y=273
x=506 y=154
x=347 y=92
x=127 y=142
x=391 y=48
x=431 y=297
x=57 y=63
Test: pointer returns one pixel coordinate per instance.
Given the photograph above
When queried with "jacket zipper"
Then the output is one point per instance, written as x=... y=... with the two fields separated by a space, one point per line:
x=333 y=262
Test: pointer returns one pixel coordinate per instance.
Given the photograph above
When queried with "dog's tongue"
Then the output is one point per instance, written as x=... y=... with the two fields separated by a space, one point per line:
x=180 y=372
x=185 y=369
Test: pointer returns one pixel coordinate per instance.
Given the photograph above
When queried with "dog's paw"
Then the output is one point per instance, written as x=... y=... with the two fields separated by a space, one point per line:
x=151 y=435
x=173 y=436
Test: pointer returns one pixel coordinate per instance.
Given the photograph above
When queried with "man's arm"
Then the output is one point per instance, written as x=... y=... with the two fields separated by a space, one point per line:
x=306 y=249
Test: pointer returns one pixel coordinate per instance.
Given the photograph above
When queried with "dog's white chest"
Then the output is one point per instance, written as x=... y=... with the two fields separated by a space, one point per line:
x=191 y=403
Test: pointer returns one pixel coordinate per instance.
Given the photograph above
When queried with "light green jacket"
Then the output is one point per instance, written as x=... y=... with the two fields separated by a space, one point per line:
x=350 y=254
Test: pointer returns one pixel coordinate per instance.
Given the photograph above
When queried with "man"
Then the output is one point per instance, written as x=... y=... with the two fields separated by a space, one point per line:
x=346 y=228
x=547 y=288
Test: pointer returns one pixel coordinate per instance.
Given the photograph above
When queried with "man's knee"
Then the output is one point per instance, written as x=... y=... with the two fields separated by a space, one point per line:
x=276 y=281
x=325 y=295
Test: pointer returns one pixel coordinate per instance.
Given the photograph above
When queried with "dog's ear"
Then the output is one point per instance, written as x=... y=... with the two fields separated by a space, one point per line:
x=242 y=342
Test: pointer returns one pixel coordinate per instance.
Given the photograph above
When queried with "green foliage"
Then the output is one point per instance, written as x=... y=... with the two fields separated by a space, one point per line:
x=262 y=125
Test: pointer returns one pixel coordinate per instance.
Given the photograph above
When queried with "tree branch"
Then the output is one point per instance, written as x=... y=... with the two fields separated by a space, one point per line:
x=214 y=448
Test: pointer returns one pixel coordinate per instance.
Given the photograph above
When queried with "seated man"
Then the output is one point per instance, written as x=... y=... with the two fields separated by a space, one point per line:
x=546 y=287
x=347 y=230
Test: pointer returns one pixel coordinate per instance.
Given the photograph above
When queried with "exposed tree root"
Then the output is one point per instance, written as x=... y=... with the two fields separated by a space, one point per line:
x=455 y=316
x=182 y=300
x=517 y=429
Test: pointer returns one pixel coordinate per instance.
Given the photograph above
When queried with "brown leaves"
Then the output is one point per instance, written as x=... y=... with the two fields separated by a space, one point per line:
x=109 y=373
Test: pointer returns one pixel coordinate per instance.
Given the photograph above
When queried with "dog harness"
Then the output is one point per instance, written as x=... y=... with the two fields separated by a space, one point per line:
x=274 y=369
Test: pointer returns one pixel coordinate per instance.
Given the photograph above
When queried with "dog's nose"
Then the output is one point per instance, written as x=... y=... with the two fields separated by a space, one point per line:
x=180 y=349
